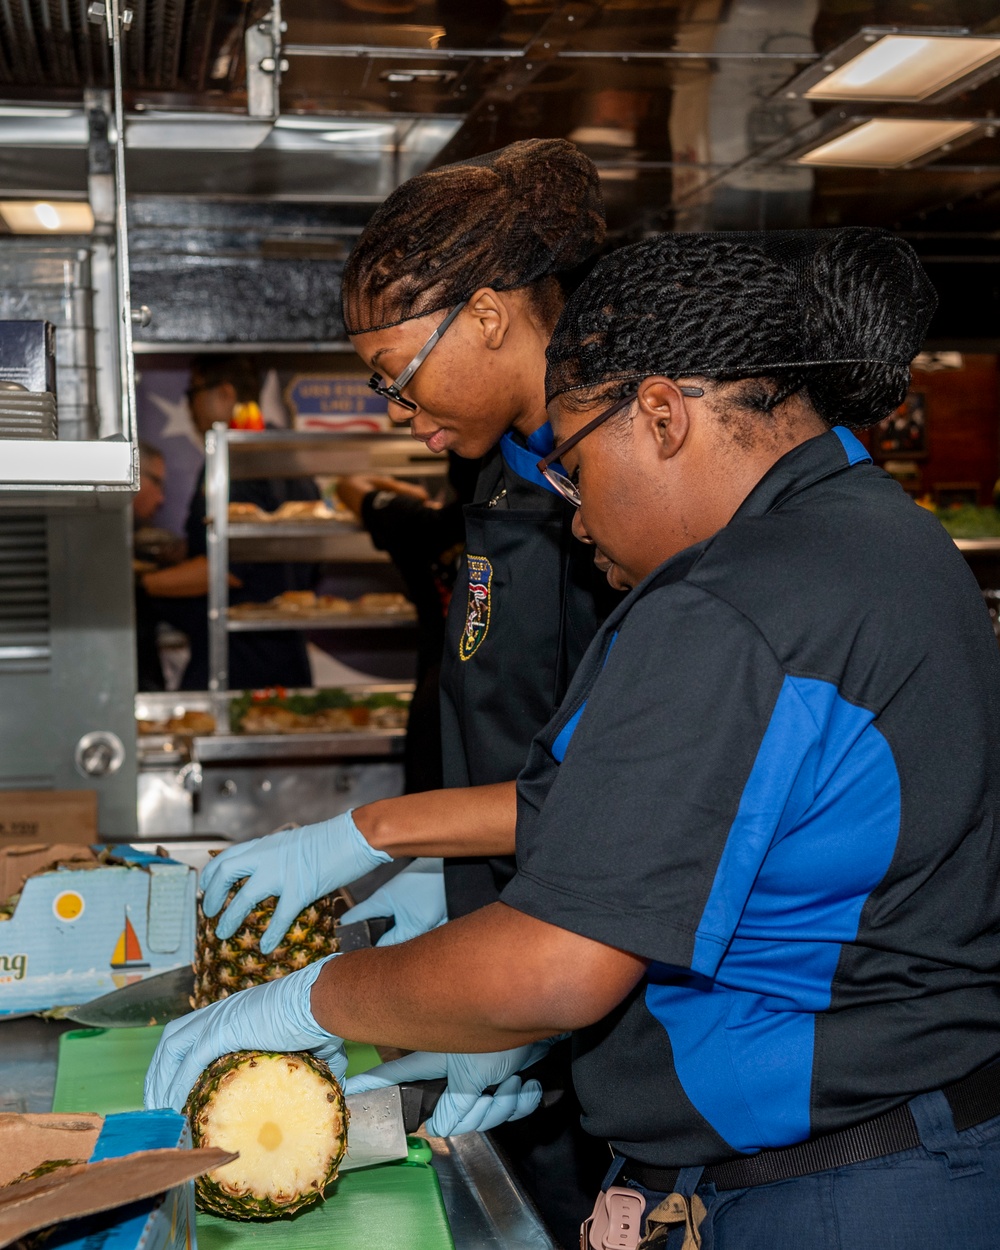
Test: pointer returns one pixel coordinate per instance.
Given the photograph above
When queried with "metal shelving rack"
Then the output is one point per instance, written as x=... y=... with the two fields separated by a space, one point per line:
x=239 y=454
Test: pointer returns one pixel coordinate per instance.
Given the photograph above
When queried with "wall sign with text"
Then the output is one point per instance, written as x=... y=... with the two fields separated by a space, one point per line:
x=335 y=401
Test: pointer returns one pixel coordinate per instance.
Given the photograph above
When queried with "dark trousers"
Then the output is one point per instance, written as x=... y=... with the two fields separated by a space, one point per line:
x=945 y=1193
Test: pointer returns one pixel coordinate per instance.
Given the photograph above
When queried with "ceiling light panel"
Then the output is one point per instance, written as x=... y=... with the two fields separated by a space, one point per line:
x=887 y=142
x=899 y=66
x=47 y=217
x=906 y=68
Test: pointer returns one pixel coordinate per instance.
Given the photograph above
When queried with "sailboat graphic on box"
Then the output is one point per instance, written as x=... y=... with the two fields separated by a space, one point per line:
x=128 y=952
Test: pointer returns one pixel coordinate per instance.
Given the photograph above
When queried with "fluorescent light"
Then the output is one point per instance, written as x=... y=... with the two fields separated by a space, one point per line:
x=604 y=136
x=43 y=217
x=887 y=142
x=48 y=216
x=904 y=66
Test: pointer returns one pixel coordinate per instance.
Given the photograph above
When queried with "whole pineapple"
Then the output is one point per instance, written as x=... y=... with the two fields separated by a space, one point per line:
x=224 y=965
x=286 y=1117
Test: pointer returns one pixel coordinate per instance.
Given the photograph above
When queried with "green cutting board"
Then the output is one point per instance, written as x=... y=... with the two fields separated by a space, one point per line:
x=397 y=1206
x=103 y=1070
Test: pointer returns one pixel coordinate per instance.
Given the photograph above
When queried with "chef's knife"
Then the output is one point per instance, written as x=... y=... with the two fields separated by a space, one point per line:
x=167 y=995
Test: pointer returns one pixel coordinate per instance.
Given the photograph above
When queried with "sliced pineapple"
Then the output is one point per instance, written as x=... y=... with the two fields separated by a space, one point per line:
x=286 y=1117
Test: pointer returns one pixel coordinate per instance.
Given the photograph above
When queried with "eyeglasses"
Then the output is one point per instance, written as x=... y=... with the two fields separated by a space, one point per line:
x=393 y=391
x=553 y=471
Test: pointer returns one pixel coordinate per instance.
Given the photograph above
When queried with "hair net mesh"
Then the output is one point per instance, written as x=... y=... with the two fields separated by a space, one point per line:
x=503 y=220
x=743 y=304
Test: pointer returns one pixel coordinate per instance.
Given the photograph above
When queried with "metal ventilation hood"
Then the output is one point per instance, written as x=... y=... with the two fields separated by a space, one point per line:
x=683 y=104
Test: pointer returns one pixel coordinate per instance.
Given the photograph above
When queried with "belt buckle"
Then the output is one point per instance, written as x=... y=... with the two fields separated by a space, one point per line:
x=616 y=1221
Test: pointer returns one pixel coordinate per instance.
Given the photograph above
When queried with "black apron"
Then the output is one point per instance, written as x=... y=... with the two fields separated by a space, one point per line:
x=527 y=602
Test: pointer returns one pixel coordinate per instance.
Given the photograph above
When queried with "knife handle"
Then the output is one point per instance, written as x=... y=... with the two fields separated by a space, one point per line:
x=419 y=1098
x=363 y=934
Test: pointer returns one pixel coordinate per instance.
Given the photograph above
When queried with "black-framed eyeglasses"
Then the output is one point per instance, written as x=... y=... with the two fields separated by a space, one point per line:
x=393 y=391
x=553 y=471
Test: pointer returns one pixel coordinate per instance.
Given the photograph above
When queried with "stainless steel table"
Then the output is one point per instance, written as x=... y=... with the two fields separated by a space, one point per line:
x=486 y=1208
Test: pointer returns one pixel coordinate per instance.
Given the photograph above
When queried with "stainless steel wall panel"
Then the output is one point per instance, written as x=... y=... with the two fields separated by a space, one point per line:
x=54 y=282
x=92 y=679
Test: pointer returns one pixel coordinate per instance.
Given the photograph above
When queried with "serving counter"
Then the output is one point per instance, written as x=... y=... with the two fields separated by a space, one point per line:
x=202 y=778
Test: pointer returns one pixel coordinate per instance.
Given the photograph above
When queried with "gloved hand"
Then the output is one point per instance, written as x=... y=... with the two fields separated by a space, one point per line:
x=273 y=1016
x=414 y=896
x=463 y=1107
x=298 y=865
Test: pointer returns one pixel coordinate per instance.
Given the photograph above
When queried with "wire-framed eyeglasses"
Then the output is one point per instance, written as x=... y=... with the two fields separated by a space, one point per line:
x=394 y=390
x=553 y=471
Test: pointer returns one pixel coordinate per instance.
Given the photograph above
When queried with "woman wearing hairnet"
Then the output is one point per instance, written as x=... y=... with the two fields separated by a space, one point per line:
x=749 y=879
x=450 y=295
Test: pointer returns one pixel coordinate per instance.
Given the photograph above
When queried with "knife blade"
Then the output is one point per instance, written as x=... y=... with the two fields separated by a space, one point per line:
x=377 y=1132
x=153 y=1000
x=167 y=995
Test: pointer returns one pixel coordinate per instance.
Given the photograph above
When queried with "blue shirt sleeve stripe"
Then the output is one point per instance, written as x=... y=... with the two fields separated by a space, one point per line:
x=856 y=453
x=569 y=729
x=814 y=834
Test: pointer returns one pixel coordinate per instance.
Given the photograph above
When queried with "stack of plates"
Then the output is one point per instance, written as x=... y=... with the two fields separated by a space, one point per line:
x=27 y=414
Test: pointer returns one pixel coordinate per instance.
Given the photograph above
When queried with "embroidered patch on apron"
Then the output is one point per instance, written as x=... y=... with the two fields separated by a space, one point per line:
x=477 y=619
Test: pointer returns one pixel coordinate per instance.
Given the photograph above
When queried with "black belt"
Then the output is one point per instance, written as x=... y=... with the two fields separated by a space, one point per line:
x=972 y=1100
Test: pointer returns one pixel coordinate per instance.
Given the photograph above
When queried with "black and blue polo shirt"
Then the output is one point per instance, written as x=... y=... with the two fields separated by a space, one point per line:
x=776 y=776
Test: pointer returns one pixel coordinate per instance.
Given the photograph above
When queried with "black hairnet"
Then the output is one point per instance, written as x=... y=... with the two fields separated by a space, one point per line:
x=503 y=220
x=737 y=305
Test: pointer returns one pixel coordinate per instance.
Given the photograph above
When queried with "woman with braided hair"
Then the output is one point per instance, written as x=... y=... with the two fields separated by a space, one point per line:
x=749 y=880
x=450 y=295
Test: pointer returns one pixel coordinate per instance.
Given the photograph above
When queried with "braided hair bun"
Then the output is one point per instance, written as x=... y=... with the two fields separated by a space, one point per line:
x=837 y=313
x=504 y=220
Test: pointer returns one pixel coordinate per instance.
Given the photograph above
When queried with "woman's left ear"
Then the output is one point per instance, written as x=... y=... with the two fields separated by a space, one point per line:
x=492 y=316
x=662 y=404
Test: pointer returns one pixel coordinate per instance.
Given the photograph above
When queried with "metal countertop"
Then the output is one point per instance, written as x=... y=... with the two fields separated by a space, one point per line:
x=486 y=1208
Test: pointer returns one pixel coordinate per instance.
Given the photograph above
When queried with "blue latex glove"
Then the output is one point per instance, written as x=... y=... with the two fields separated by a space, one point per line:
x=463 y=1107
x=298 y=865
x=274 y=1016
x=414 y=896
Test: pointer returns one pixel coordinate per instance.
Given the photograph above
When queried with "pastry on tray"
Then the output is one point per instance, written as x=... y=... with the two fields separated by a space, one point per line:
x=303 y=510
x=192 y=722
x=243 y=512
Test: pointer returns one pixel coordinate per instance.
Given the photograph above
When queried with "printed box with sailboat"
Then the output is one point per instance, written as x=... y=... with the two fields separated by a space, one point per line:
x=77 y=922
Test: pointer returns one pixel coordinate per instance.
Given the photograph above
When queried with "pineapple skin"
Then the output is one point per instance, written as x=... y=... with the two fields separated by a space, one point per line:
x=213 y=1198
x=225 y=966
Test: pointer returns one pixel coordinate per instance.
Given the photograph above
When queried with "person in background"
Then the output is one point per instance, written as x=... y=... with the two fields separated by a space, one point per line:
x=425 y=539
x=148 y=499
x=148 y=556
x=225 y=388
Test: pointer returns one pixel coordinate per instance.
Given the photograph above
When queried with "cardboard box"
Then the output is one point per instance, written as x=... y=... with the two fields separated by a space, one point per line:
x=85 y=928
x=140 y=1161
x=28 y=354
x=48 y=816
